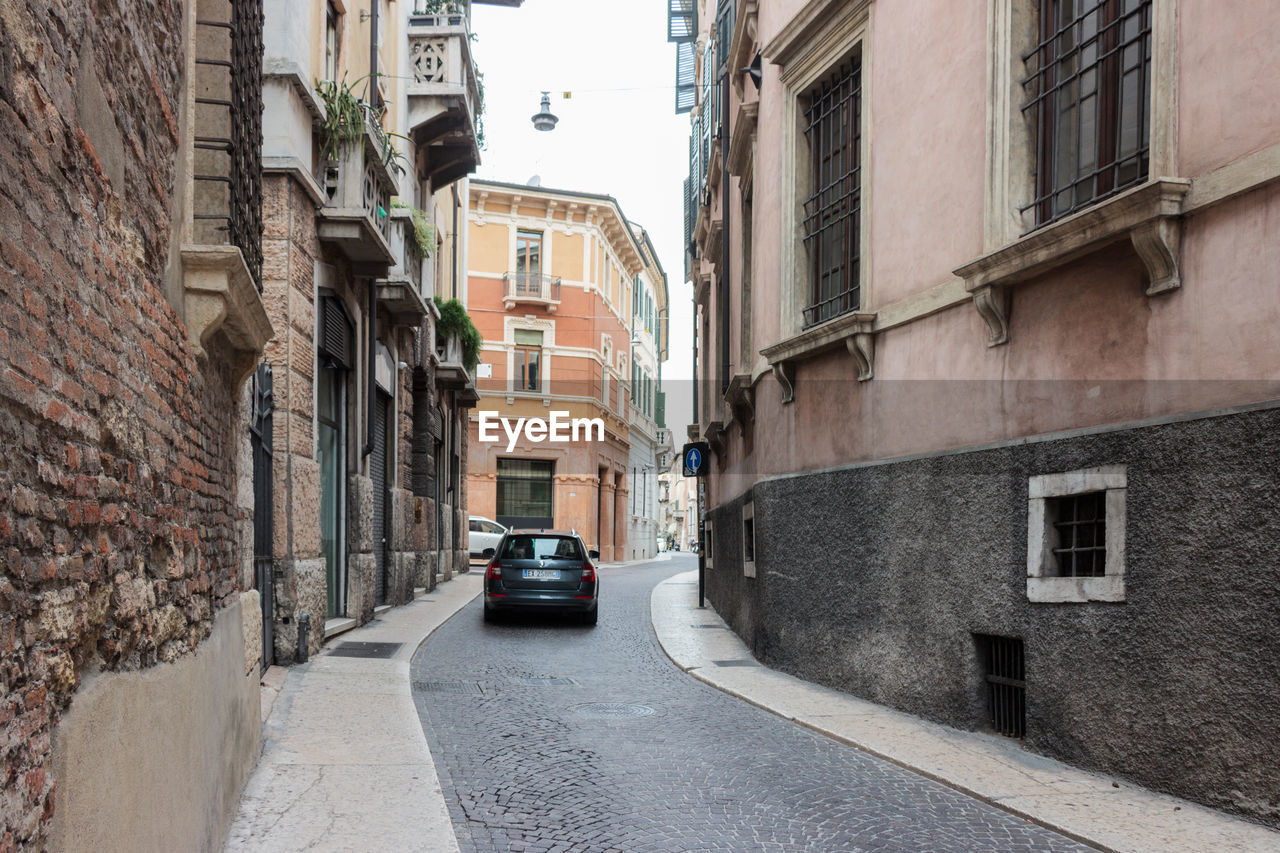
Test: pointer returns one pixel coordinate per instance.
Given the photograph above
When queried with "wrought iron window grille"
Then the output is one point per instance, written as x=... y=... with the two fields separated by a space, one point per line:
x=832 y=213
x=229 y=168
x=1080 y=525
x=1003 y=662
x=1089 y=87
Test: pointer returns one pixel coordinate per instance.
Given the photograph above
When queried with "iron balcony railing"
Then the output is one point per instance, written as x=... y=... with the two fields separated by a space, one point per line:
x=521 y=286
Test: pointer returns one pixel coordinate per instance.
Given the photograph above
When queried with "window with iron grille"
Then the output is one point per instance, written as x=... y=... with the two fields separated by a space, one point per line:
x=832 y=215
x=1004 y=674
x=227 y=155
x=1089 y=98
x=1080 y=523
x=1076 y=536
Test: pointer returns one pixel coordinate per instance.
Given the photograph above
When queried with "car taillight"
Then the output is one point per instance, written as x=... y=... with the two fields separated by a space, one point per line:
x=494 y=572
x=588 y=573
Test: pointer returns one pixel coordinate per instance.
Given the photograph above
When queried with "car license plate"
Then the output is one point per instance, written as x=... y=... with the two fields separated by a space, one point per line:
x=541 y=574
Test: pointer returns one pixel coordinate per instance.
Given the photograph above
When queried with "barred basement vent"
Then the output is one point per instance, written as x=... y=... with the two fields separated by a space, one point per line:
x=1004 y=670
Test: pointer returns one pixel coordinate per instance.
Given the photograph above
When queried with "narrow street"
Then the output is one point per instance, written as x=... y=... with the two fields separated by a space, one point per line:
x=548 y=735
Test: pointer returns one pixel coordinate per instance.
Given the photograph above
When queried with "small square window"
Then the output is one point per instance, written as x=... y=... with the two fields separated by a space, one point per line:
x=708 y=539
x=748 y=540
x=1075 y=536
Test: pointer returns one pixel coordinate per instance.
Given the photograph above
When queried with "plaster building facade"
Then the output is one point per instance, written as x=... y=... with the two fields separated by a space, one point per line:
x=362 y=246
x=130 y=321
x=987 y=359
x=558 y=282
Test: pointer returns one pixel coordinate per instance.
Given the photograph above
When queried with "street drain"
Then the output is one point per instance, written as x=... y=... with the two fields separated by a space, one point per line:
x=611 y=710
x=719 y=627
x=546 y=682
x=742 y=662
x=366 y=650
x=446 y=687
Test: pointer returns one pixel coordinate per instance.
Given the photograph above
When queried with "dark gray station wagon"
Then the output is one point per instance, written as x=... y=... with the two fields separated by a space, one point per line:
x=537 y=570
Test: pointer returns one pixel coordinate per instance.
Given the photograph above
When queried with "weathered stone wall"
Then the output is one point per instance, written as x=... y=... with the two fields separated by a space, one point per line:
x=118 y=504
x=290 y=252
x=873 y=579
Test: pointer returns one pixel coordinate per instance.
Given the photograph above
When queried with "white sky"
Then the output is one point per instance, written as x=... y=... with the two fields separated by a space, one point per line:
x=618 y=134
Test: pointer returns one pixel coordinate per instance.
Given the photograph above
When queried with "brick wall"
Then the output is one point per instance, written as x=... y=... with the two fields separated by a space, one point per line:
x=117 y=519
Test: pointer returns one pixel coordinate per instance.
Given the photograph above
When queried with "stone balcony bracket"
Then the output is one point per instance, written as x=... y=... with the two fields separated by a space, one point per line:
x=715 y=236
x=402 y=302
x=220 y=296
x=713 y=434
x=1149 y=217
x=853 y=331
x=741 y=400
x=743 y=142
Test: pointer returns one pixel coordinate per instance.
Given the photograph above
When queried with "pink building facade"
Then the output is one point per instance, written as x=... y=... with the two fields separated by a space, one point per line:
x=986 y=302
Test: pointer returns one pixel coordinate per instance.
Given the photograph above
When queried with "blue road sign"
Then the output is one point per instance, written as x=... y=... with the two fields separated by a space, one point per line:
x=695 y=459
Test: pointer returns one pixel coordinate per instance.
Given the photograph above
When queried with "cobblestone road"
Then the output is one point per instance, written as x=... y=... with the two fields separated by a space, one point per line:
x=548 y=735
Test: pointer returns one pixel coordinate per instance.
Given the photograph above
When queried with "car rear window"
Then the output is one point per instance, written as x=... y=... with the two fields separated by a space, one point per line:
x=541 y=548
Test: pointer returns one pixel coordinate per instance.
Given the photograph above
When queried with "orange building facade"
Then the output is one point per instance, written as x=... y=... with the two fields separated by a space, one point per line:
x=552 y=278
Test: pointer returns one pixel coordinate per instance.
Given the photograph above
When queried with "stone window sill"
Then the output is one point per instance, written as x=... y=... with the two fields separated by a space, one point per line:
x=1149 y=216
x=220 y=296
x=1074 y=590
x=853 y=331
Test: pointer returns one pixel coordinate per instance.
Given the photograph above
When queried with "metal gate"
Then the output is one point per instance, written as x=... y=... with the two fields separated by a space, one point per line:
x=260 y=430
x=378 y=470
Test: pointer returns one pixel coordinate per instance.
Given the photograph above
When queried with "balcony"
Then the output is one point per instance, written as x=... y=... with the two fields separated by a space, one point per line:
x=529 y=289
x=444 y=94
x=358 y=187
x=402 y=293
x=452 y=374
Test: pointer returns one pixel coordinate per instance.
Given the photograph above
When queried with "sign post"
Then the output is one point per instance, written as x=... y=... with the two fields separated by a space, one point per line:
x=696 y=458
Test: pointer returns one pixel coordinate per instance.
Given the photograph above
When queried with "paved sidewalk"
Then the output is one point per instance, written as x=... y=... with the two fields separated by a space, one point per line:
x=345 y=765
x=1083 y=805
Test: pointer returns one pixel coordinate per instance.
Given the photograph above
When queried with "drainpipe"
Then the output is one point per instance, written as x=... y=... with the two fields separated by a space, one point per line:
x=371 y=373
x=454 y=278
x=376 y=100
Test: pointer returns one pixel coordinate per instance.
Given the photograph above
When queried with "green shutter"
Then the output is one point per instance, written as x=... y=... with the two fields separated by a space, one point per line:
x=527 y=338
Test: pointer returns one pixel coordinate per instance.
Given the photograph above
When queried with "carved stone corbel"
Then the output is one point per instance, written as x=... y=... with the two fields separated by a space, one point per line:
x=714 y=436
x=741 y=400
x=785 y=373
x=862 y=347
x=992 y=302
x=220 y=296
x=1157 y=243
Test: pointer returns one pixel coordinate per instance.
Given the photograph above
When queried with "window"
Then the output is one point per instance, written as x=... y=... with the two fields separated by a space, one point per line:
x=1080 y=535
x=1075 y=536
x=833 y=130
x=331 y=44
x=524 y=492
x=1003 y=663
x=708 y=537
x=542 y=548
x=1089 y=98
x=528 y=360
x=528 y=263
x=749 y=539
